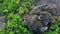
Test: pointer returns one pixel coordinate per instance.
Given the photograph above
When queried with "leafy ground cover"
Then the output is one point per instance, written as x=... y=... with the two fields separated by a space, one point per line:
x=13 y=10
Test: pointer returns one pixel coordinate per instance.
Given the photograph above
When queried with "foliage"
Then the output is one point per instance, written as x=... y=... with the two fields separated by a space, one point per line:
x=9 y=6
x=14 y=9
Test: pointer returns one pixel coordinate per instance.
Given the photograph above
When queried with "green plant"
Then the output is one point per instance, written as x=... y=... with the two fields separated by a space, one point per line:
x=13 y=9
x=9 y=6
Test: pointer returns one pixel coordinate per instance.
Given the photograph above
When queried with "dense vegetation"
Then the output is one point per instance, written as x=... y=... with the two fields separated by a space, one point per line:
x=13 y=10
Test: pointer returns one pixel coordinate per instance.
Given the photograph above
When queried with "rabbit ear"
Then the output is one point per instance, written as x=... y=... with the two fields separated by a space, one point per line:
x=50 y=7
